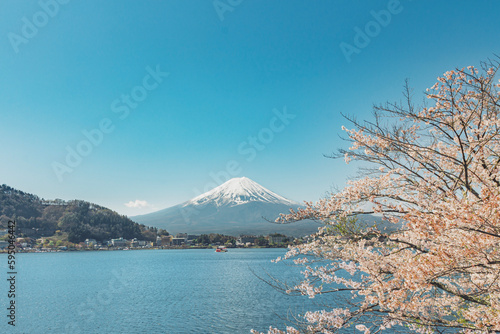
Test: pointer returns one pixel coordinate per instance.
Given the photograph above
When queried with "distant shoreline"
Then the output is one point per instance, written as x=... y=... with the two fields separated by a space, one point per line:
x=129 y=249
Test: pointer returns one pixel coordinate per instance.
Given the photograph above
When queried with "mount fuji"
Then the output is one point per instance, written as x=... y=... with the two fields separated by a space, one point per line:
x=238 y=206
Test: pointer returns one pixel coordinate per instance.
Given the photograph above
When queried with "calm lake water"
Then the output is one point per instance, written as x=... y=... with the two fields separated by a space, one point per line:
x=149 y=291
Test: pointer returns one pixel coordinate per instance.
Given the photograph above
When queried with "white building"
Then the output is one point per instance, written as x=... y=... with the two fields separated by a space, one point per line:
x=120 y=242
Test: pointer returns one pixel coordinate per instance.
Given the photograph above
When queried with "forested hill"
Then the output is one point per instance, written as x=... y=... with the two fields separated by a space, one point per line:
x=79 y=219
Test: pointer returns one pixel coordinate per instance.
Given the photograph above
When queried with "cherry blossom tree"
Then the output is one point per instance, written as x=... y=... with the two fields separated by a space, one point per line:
x=435 y=172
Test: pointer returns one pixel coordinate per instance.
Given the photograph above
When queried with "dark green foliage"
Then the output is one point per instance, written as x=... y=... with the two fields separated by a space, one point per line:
x=213 y=238
x=261 y=241
x=203 y=239
x=162 y=232
x=149 y=233
x=15 y=203
x=80 y=219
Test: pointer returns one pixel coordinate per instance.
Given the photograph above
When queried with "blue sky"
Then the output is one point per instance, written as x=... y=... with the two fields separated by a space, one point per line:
x=235 y=70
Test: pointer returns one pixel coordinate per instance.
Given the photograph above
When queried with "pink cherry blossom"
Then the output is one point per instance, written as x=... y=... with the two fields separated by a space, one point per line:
x=436 y=180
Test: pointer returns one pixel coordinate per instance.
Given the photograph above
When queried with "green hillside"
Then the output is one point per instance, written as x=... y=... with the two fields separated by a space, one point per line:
x=80 y=220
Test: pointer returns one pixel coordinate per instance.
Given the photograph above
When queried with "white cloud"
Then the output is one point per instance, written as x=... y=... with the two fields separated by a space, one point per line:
x=138 y=204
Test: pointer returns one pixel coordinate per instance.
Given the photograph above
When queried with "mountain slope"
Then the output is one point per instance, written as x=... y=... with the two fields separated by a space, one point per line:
x=37 y=217
x=239 y=206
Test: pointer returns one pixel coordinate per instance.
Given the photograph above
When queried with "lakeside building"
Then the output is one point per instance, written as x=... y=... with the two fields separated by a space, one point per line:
x=276 y=238
x=89 y=242
x=138 y=243
x=120 y=242
x=134 y=243
x=246 y=239
x=178 y=241
x=166 y=240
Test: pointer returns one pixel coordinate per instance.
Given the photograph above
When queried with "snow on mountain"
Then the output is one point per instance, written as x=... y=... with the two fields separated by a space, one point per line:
x=239 y=206
x=239 y=191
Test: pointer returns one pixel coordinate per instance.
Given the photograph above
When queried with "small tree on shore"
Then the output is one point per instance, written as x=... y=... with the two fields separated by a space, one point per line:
x=437 y=173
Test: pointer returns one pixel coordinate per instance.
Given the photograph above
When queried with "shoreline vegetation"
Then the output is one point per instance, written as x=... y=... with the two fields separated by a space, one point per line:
x=51 y=250
x=59 y=243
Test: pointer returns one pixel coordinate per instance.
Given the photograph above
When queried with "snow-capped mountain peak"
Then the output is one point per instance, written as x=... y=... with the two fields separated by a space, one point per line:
x=239 y=206
x=239 y=191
